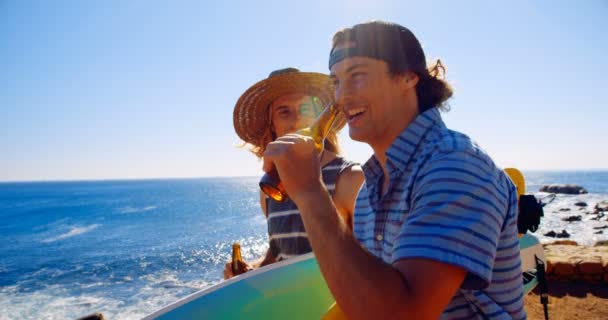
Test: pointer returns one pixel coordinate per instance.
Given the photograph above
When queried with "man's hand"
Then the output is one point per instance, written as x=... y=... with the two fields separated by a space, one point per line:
x=297 y=162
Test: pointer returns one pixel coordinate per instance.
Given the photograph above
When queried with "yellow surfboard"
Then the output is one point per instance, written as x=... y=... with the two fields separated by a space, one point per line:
x=518 y=180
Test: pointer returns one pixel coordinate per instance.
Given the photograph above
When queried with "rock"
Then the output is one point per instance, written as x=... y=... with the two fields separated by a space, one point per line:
x=563 y=189
x=572 y=262
x=563 y=269
x=94 y=316
x=599 y=232
x=591 y=266
x=551 y=234
x=599 y=228
x=564 y=209
x=581 y=204
x=593 y=279
x=572 y=218
x=601 y=206
x=563 y=242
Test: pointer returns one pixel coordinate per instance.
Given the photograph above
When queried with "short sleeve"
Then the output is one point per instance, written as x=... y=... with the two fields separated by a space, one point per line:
x=458 y=207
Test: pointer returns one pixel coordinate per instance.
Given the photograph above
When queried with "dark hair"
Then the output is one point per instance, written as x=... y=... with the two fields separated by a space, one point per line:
x=401 y=50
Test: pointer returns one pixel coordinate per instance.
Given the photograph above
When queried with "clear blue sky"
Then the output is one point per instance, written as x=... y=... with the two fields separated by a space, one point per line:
x=143 y=89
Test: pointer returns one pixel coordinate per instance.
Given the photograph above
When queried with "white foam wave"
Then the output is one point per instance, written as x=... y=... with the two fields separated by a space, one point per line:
x=53 y=303
x=56 y=302
x=73 y=232
x=563 y=206
x=135 y=210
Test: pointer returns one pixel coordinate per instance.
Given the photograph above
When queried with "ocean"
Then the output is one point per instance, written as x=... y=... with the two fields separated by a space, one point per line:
x=127 y=248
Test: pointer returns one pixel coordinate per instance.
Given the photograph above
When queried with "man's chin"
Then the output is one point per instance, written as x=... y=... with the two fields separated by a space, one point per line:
x=356 y=135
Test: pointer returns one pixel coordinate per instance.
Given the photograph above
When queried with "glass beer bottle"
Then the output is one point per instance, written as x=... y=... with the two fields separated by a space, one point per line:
x=238 y=266
x=271 y=183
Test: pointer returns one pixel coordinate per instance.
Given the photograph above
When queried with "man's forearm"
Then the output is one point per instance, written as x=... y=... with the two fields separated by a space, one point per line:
x=358 y=281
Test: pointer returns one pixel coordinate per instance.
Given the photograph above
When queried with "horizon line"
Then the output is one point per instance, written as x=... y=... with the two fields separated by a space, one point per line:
x=51 y=180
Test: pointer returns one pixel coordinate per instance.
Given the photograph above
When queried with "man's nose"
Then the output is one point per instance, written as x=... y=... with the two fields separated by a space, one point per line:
x=342 y=92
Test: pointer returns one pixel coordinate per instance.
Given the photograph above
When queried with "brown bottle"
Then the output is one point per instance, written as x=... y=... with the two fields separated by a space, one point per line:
x=238 y=266
x=271 y=183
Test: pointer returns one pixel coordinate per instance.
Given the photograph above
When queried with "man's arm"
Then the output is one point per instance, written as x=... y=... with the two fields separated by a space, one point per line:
x=363 y=286
x=366 y=287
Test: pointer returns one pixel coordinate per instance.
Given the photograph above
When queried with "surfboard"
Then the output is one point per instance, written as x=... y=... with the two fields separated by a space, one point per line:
x=531 y=252
x=518 y=180
x=291 y=289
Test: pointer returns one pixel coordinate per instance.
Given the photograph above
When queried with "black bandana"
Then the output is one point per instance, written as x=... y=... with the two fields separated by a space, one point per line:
x=365 y=51
x=387 y=54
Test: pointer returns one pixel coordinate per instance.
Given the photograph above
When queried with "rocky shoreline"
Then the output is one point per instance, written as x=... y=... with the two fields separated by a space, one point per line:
x=571 y=213
x=574 y=233
x=568 y=261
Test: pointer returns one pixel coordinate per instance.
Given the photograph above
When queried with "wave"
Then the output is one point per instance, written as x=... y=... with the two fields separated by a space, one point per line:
x=135 y=210
x=73 y=232
x=55 y=302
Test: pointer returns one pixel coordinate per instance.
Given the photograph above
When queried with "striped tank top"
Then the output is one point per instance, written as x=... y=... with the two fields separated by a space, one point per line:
x=285 y=226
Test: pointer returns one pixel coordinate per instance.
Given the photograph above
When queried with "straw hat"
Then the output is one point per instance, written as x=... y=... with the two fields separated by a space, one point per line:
x=251 y=117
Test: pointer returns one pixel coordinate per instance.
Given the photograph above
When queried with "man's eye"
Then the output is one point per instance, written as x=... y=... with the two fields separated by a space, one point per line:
x=358 y=75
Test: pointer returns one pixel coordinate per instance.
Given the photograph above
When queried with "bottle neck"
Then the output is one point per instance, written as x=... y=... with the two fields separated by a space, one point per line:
x=236 y=253
x=322 y=125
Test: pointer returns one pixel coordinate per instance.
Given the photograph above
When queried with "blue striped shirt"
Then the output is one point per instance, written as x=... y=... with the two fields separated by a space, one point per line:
x=446 y=201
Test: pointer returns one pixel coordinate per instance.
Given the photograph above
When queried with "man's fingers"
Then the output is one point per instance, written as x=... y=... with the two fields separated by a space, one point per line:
x=274 y=150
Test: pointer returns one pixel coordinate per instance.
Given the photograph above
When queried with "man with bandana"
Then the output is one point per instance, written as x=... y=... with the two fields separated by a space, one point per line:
x=435 y=223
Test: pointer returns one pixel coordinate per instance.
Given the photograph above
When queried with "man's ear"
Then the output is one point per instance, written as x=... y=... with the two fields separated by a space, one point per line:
x=410 y=80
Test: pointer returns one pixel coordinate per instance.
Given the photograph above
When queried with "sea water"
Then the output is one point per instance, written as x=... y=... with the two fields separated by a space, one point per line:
x=127 y=248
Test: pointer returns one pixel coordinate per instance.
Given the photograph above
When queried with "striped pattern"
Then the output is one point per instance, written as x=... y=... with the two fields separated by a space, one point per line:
x=285 y=226
x=446 y=201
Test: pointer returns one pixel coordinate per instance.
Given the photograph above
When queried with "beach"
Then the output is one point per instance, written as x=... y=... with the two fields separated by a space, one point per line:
x=570 y=300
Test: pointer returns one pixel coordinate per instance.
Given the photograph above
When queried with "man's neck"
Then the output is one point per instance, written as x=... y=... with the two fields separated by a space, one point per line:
x=381 y=147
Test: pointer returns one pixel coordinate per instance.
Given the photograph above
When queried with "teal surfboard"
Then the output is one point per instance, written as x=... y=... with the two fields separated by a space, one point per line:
x=531 y=251
x=291 y=289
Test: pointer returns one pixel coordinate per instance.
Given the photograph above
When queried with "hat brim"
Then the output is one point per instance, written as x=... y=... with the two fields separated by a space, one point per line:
x=251 y=110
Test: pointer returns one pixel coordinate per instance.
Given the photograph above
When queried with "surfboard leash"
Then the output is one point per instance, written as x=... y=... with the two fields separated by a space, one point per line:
x=542 y=283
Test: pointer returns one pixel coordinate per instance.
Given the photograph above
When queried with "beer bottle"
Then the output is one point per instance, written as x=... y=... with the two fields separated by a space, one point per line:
x=238 y=266
x=271 y=183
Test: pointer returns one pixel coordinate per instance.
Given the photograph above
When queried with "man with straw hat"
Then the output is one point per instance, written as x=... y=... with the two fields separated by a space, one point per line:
x=435 y=224
x=286 y=101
